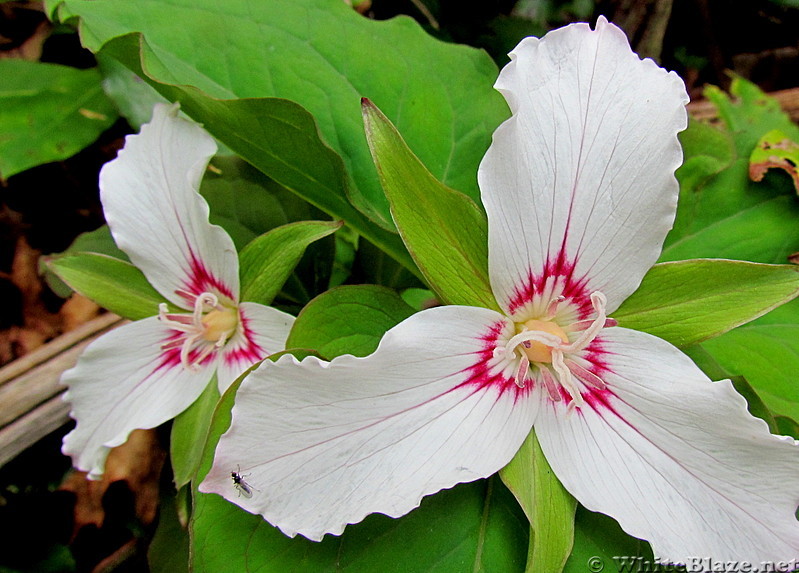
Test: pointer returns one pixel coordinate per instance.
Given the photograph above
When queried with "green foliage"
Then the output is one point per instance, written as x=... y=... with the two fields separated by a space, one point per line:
x=348 y=320
x=269 y=260
x=766 y=353
x=686 y=302
x=293 y=50
x=280 y=139
x=48 y=112
x=189 y=433
x=723 y=214
x=775 y=150
x=598 y=540
x=246 y=203
x=444 y=230
x=112 y=283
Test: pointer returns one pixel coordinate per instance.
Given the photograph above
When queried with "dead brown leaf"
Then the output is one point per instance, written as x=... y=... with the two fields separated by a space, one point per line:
x=138 y=462
x=77 y=310
x=39 y=324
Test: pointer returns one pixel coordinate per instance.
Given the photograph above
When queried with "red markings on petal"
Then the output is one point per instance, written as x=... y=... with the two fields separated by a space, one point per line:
x=201 y=280
x=244 y=350
x=560 y=270
x=170 y=352
x=482 y=376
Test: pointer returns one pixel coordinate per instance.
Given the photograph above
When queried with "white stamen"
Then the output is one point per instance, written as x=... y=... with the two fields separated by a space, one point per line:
x=566 y=379
x=193 y=328
x=598 y=301
x=528 y=335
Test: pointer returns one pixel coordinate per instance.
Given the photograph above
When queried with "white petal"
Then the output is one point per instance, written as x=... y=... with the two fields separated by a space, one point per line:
x=580 y=181
x=676 y=458
x=324 y=444
x=263 y=331
x=123 y=381
x=150 y=200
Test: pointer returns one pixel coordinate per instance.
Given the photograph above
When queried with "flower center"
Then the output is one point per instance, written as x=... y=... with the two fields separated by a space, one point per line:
x=540 y=351
x=208 y=328
x=220 y=324
x=544 y=344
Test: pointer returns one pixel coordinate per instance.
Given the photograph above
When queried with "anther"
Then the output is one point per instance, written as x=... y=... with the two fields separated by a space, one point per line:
x=585 y=375
x=552 y=307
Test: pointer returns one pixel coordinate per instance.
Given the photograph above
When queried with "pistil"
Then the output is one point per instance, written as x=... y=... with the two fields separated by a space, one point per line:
x=545 y=344
x=210 y=324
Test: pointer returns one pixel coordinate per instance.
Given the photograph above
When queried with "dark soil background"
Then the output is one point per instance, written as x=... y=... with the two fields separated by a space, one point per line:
x=43 y=209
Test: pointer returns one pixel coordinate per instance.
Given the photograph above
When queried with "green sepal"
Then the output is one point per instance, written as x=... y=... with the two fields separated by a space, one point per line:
x=268 y=261
x=113 y=284
x=686 y=302
x=547 y=505
x=189 y=433
x=445 y=231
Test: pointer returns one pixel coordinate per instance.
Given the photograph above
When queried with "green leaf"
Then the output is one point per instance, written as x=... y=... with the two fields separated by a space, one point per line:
x=766 y=353
x=189 y=433
x=246 y=203
x=548 y=506
x=722 y=213
x=348 y=320
x=443 y=229
x=601 y=545
x=48 y=112
x=169 y=549
x=113 y=284
x=269 y=260
x=689 y=301
x=98 y=241
x=324 y=56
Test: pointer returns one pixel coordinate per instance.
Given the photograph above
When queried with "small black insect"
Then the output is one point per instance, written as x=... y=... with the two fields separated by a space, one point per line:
x=242 y=487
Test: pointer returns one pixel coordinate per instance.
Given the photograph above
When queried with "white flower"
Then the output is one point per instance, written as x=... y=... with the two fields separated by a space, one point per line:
x=147 y=372
x=580 y=192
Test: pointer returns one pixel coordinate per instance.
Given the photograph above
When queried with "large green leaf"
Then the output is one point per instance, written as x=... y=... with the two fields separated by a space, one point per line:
x=280 y=139
x=548 y=506
x=445 y=231
x=689 y=301
x=48 y=112
x=269 y=260
x=472 y=527
x=766 y=353
x=348 y=320
x=324 y=56
x=113 y=284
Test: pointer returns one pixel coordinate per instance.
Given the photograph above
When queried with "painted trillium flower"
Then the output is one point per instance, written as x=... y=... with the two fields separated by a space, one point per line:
x=580 y=192
x=145 y=373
